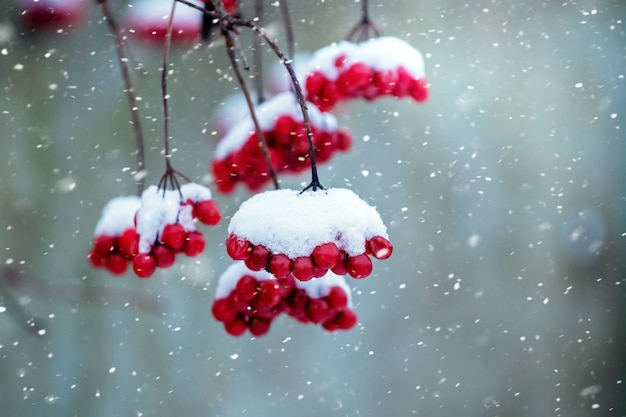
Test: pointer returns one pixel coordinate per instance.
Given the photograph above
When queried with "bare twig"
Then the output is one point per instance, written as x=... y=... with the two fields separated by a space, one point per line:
x=130 y=93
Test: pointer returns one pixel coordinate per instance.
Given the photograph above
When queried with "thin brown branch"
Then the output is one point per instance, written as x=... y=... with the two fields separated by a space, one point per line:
x=130 y=94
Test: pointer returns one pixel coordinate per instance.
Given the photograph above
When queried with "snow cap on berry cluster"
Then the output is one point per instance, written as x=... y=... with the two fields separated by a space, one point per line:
x=117 y=215
x=152 y=13
x=229 y=278
x=294 y=223
x=284 y=104
x=320 y=287
x=161 y=207
x=385 y=52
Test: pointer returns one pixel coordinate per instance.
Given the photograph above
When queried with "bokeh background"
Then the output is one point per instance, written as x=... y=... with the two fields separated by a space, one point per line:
x=504 y=195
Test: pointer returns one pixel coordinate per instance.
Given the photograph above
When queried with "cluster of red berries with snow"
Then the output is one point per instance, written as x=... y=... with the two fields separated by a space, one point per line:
x=150 y=232
x=51 y=14
x=307 y=234
x=384 y=66
x=251 y=300
x=239 y=158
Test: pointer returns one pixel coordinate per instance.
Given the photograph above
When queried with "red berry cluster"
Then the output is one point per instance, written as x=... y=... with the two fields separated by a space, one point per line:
x=286 y=139
x=154 y=229
x=325 y=257
x=252 y=300
x=307 y=234
x=369 y=70
x=114 y=252
x=51 y=14
x=357 y=80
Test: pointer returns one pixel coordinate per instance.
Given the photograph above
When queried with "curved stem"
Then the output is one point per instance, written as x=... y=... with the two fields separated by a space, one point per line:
x=130 y=94
x=291 y=43
x=166 y=116
x=315 y=182
x=258 y=55
x=230 y=50
x=361 y=31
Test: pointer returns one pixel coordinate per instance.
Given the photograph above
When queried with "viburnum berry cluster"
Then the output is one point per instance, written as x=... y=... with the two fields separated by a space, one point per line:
x=292 y=249
x=149 y=232
x=383 y=66
x=238 y=156
x=307 y=234
x=251 y=300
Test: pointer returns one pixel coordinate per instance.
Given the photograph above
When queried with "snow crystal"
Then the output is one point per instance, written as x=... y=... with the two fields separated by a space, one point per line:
x=117 y=215
x=383 y=53
x=284 y=104
x=285 y=221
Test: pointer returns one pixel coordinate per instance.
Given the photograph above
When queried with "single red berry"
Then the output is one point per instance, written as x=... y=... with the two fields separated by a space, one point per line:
x=116 y=263
x=144 y=265
x=238 y=249
x=346 y=319
x=96 y=260
x=359 y=266
x=259 y=326
x=314 y=83
x=128 y=243
x=337 y=298
x=303 y=268
x=355 y=79
x=296 y=304
x=318 y=310
x=342 y=264
x=386 y=81
x=269 y=294
x=174 y=235
x=237 y=326
x=165 y=257
x=194 y=243
x=247 y=287
x=419 y=90
x=207 y=212
x=222 y=311
x=325 y=255
x=258 y=259
x=280 y=265
x=103 y=244
x=379 y=247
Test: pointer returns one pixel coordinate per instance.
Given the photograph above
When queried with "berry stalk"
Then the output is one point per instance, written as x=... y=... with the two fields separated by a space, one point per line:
x=130 y=93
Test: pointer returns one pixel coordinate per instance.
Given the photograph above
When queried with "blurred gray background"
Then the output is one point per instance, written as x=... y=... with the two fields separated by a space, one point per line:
x=504 y=195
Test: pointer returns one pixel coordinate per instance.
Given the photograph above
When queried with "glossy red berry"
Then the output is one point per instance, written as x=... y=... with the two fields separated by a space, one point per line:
x=174 y=235
x=103 y=244
x=238 y=249
x=359 y=266
x=303 y=268
x=258 y=259
x=326 y=255
x=342 y=264
x=237 y=326
x=165 y=257
x=247 y=287
x=194 y=244
x=379 y=247
x=280 y=265
x=269 y=293
x=116 y=263
x=259 y=326
x=337 y=298
x=144 y=265
x=222 y=311
x=128 y=243
x=207 y=212
x=318 y=310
